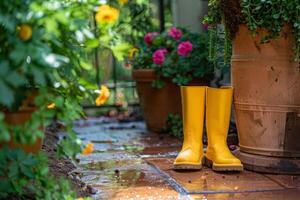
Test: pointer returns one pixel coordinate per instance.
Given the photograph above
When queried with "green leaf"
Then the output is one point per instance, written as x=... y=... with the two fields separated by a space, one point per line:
x=6 y=94
x=39 y=76
x=13 y=170
x=15 y=79
x=5 y=188
x=18 y=55
x=92 y=43
x=4 y=68
x=5 y=135
x=51 y=26
x=26 y=171
x=121 y=50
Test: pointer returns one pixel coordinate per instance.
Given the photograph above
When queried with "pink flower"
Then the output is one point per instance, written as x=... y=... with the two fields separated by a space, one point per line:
x=148 y=38
x=158 y=56
x=184 y=48
x=205 y=26
x=175 y=33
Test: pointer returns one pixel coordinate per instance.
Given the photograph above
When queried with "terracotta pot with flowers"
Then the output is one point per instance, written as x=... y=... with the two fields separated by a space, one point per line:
x=162 y=64
x=265 y=38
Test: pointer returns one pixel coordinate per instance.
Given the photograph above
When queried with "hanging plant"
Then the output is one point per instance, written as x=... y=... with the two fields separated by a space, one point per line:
x=271 y=15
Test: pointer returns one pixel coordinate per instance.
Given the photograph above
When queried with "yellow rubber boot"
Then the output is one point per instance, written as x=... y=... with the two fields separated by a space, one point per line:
x=218 y=109
x=193 y=104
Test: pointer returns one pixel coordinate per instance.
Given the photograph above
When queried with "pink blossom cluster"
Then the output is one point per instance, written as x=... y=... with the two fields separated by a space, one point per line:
x=184 y=48
x=148 y=38
x=175 y=33
x=159 y=56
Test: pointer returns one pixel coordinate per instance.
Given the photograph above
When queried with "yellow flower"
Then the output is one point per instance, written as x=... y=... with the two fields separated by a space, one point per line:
x=51 y=106
x=25 y=32
x=88 y=149
x=107 y=14
x=80 y=198
x=103 y=96
x=132 y=53
x=123 y=2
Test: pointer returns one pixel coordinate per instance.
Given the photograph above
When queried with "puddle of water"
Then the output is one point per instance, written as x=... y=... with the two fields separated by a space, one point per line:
x=102 y=142
x=124 y=164
x=133 y=148
x=116 y=167
x=106 y=156
x=161 y=155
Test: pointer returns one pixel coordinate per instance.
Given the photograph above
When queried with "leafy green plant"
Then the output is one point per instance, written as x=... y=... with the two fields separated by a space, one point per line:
x=177 y=54
x=137 y=18
x=45 y=48
x=24 y=175
x=271 y=15
x=174 y=125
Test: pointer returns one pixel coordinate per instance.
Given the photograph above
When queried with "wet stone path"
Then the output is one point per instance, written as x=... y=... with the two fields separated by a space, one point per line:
x=130 y=163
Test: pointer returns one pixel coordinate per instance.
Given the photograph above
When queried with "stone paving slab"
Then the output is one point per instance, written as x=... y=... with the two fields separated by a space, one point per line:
x=144 y=193
x=291 y=182
x=274 y=195
x=208 y=182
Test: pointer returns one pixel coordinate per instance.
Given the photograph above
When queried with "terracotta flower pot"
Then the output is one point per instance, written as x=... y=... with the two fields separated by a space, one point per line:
x=266 y=80
x=20 y=117
x=157 y=104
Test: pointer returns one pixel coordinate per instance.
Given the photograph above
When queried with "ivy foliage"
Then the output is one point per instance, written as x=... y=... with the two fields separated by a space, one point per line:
x=271 y=15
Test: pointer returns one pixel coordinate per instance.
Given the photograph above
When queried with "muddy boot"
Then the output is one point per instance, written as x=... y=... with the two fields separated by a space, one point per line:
x=193 y=103
x=218 y=109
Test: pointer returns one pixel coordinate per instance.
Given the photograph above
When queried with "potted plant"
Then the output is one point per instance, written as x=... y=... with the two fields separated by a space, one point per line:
x=265 y=38
x=18 y=115
x=164 y=62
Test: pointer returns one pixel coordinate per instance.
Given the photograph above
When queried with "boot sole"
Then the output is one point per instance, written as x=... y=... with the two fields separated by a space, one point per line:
x=187 y=167
x=222 y=167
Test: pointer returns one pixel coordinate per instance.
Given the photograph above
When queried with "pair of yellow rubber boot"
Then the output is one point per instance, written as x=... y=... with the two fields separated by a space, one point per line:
x=216 y=103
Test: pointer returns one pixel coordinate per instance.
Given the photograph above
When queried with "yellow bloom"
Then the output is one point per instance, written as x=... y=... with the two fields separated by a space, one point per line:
x=132 y=53
x=25 y=32
x=80 y=198
x=88 y=149
x=103 y=96
x=107 y=14
x=123 y=2
x=51 y=106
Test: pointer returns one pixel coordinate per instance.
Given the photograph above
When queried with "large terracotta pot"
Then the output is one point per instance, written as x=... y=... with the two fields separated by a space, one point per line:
x=157 y=104
x=266 y=80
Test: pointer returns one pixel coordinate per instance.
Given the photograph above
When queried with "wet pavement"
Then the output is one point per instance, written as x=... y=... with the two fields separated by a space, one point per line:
x=130 y=163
